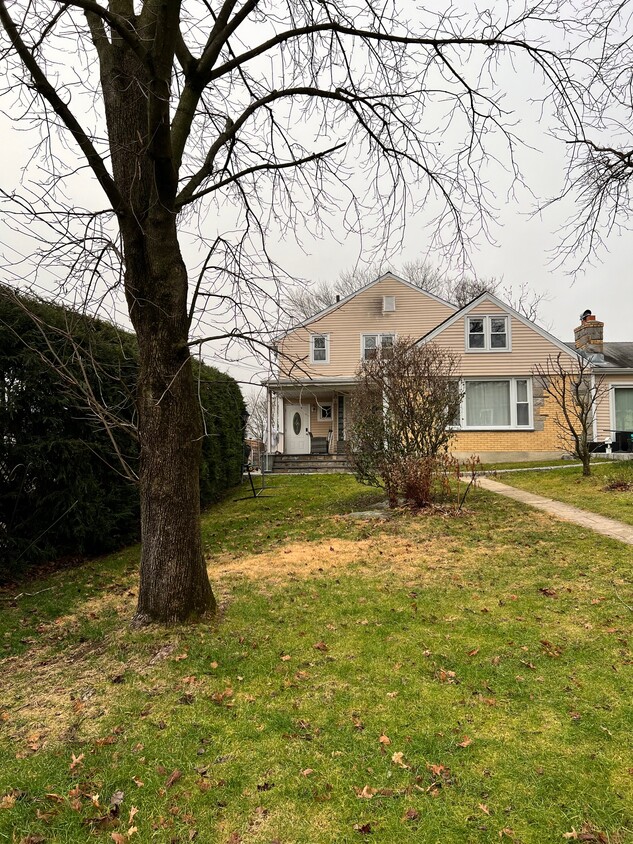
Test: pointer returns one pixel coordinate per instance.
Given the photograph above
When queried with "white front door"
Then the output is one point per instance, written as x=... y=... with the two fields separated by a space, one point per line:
x=296 y=429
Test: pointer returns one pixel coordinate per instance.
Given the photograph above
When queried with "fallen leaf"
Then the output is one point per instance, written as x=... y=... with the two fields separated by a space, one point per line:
x=133 y=813
x=392 y=694
x=474 y=652
x=7 y=802
x=465 y=742
x=118 y=838
x=363 y=828
x=180 y=657
x=484 y=808
x=411 y=815
x=76 y=760
x=320 y=646
x=116 y=799
x=307 y=771
x=173 y=777
x=213 y=664
x=509 y=833
x=138 y=782
x=32 y=839
x=398 y=759
x=365 y=793
x=384 y=740
x=286 y=657
x=445 y=676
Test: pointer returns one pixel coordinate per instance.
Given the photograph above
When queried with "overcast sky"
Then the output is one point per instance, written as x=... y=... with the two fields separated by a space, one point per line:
x=523 y=251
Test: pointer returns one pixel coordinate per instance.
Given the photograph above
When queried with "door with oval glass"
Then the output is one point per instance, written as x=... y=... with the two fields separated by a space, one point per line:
x=296 y=427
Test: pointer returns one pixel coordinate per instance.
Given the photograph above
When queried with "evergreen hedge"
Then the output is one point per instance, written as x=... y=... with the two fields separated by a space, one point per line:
x=62 y=489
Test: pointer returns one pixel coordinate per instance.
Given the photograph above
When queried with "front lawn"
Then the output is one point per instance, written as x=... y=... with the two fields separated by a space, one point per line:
x=421 y=677
x=603 y=492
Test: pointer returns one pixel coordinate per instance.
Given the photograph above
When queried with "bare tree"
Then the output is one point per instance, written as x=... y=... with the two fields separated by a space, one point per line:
x=181 y=113
x=576 y=392
x=407 y=399
x=303 y=301
x=256 y=426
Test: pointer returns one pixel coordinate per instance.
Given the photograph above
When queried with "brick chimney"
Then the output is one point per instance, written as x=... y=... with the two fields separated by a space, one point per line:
x=589 y=335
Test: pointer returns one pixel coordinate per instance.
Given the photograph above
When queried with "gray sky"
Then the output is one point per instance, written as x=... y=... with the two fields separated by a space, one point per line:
x=522 y=252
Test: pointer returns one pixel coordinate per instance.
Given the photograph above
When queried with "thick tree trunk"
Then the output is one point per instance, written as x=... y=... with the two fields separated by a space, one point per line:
x=174 y=585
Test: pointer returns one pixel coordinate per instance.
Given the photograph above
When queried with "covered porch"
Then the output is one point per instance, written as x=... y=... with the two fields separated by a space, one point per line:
x=309 y=418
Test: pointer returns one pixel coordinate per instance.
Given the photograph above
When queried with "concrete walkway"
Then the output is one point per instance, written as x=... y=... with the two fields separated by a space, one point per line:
x=566 y=512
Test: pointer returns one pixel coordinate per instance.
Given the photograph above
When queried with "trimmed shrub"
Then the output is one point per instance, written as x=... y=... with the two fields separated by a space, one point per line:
x=63 y=491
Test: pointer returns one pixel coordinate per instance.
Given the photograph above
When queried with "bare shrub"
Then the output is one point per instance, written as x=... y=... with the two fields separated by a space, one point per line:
x=407 y=400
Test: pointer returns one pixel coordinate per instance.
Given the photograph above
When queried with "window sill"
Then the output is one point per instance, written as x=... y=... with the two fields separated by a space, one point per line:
x=524 y=428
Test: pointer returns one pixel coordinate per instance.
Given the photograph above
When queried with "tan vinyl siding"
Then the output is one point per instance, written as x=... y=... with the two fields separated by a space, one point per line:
x=527 y=347
x=416 y=314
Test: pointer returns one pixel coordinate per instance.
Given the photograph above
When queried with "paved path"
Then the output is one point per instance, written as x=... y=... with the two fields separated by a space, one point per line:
x=566 y=512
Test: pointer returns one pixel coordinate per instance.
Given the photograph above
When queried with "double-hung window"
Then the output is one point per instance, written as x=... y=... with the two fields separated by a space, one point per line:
x=497 y=403
x=372 y=344
x=487 y=334
x=320 y=348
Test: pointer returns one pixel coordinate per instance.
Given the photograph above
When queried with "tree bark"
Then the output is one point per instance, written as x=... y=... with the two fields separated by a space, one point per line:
x=174 y=584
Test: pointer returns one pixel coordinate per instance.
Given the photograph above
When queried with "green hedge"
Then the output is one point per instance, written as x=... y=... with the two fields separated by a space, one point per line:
x=62 y=492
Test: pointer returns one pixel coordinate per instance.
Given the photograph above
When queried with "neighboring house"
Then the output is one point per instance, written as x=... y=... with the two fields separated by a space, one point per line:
x=504 y=414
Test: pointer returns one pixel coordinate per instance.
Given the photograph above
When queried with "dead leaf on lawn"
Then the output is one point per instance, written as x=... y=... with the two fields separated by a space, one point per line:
x=286 y=657
x=173 y=777
x=307 y=771
x=365 y=793
x=320 y=646
x=398 y=759
x=384 y=740
x=76 y=761
x=445 y=676
x=474 y=652
x=465 y=742
x=411 y=815
x=483 y=808
x=363 y=828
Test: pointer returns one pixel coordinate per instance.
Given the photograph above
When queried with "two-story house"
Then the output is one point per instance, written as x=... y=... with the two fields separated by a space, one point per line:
x=504 y=414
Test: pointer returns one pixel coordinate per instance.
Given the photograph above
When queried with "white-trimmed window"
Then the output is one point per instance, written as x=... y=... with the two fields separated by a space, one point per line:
x=488 y=333
x=325 y=411
x=371 y=344
x=320 y=348
x=496 y=403
x=622 y=414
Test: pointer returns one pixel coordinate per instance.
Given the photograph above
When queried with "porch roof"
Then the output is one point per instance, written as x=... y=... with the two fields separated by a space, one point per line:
x=316 y=387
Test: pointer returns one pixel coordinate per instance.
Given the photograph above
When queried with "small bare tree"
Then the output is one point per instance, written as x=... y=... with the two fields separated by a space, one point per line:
x=407 y=399
x=576 y=391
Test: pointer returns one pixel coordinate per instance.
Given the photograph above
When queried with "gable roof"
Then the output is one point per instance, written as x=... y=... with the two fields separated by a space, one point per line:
x=362 y=289
x=490 y=297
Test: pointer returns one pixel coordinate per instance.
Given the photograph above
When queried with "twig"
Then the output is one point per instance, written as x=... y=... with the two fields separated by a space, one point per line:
x=32 y=594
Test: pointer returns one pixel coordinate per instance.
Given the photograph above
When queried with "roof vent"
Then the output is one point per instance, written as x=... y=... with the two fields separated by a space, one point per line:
x=388 y=304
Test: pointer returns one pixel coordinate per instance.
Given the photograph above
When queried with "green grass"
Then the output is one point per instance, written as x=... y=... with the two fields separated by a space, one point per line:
x=589 y=493
x=535 y=464
x=490 y=649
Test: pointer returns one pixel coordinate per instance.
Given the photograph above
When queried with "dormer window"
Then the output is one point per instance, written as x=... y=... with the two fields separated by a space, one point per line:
x=388 y=304
x=487 y=334
x=320 y=348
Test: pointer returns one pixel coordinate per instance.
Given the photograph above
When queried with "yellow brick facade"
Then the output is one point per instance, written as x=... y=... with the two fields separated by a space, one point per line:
x=544 y=441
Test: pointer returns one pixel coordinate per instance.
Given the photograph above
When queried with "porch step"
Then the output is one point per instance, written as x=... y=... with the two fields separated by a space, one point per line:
x=297 y=463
